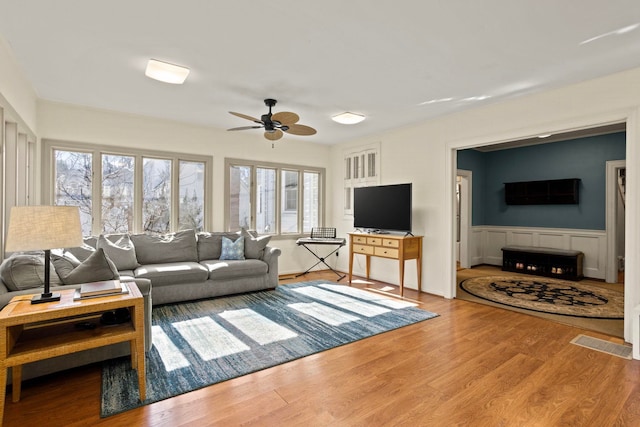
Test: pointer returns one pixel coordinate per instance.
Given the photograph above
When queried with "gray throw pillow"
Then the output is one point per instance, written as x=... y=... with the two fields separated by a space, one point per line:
x=121 y=251
x=26 y=271
x=88 y=247
x=254 y=245
x=210 y=244
x=159 y=249
x=96 y=268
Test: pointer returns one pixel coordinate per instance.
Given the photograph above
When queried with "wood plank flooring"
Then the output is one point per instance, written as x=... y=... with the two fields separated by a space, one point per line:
x=474 y=365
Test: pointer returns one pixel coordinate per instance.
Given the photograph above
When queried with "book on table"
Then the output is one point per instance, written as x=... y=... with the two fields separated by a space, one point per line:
x=101 y=288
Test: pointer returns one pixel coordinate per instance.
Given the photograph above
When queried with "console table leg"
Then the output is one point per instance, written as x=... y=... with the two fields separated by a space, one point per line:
x=3 y=390
x=16 y=388
x=402 y=277
x=368 y=265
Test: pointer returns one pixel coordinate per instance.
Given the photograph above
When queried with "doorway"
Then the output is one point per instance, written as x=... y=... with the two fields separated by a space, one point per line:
x=615 y=220
x=463 y=217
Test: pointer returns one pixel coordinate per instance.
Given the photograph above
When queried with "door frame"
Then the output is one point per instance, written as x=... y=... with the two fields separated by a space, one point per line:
x=466 y=190
x=611 y=272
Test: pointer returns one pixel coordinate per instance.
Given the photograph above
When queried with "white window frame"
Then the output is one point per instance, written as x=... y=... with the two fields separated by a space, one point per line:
x=361 y=169
x=279 y=168
x=48 y=178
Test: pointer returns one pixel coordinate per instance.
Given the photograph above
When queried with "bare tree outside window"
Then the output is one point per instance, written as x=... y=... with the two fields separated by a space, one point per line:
x=239 y=197
x=73 y=177
x=191 y=187
x=156 y=195
x=117 y=193
x=266 y=200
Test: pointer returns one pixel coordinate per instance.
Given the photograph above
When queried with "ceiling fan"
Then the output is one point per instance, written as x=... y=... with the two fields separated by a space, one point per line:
x=275 y=124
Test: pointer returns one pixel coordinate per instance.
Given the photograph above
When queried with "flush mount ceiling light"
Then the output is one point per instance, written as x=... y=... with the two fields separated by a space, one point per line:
x=165 y=72
x=347 y=118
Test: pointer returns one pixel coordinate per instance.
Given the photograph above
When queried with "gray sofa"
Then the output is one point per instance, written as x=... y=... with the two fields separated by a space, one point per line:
x=169 y=268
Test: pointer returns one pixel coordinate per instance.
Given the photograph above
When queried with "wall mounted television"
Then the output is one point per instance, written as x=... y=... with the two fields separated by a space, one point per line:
x=382 y=208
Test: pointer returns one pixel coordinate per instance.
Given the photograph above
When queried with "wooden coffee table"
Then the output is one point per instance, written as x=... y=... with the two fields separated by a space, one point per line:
x=32 y=332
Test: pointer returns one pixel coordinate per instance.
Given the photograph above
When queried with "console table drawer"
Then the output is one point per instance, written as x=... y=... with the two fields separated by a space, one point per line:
x=361 y=249
x=391 y=243
x=359 y=239
x=386 y=252
x=376 y=241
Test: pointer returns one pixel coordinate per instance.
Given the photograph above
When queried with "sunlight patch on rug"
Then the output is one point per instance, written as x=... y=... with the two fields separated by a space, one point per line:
x=323 y=313
x=341 y=301
x=167 y=350
x=208 y=338
x=376 y=298
x=257 y=327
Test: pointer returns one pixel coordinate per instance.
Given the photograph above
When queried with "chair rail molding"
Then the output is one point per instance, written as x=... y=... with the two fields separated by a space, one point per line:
x=487 y=243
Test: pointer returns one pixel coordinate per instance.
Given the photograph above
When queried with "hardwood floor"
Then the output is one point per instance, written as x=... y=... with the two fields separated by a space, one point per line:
x=474 y=365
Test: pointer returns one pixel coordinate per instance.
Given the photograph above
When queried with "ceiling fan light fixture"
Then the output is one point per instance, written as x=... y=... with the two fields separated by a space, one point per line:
x=348 y=118
x=166 y=72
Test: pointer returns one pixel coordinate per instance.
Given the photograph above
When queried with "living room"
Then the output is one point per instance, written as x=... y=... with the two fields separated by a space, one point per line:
x=423 y=153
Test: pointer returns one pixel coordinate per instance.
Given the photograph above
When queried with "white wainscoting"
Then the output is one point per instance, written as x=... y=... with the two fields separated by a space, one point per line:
x=487 y=242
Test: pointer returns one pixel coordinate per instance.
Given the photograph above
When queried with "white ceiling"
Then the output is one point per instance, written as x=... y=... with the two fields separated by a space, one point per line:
x=385 y=59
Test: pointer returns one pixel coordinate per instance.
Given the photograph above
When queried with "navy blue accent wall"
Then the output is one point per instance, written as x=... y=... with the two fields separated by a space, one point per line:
x=583 y=158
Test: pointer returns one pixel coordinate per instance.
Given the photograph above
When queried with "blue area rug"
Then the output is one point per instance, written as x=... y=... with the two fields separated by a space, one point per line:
x=200 y=343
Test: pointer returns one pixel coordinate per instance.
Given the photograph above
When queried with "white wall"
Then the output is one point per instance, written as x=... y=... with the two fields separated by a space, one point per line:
x=425 y=155
x=17 y=96
x=78 y=124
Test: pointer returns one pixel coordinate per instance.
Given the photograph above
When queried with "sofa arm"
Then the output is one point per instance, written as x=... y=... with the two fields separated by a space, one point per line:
x=144 y=285
x=270 y=256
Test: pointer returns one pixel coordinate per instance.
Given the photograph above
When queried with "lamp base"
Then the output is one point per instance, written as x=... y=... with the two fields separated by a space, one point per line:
x=39 y=299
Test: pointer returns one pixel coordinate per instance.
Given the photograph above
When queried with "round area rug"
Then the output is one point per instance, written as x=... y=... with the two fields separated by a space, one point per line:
x=548 y=296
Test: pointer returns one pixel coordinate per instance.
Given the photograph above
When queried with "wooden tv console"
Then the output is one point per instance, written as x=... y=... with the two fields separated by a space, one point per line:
x=389 y=246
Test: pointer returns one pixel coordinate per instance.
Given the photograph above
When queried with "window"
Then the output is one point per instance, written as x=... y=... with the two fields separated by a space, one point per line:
x=310 y=198
x=273 y=198
x=117 y=193
x=361 y=168
x=74 y=183
x=156 y=195
x=133 y=191
x=191 y=181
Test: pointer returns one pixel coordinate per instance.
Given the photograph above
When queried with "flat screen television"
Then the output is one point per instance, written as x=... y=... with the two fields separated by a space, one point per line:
x=382 y=208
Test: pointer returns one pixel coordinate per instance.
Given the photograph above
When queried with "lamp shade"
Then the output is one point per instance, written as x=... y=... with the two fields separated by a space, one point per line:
x=43 y=227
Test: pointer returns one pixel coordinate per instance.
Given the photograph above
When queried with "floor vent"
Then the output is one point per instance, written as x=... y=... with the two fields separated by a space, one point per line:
x=620 y=350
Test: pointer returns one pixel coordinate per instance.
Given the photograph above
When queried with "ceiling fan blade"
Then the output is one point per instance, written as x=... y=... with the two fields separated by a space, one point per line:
x=301 y=130
x=285 y=117
x=245 y=127
x=273 y=136
x=244 y=116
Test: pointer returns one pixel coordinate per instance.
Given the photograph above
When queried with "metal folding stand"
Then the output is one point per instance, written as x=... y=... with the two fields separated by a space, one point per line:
x=322 y=236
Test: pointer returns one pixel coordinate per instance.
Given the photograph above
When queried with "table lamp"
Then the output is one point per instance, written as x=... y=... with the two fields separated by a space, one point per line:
x=43 y=228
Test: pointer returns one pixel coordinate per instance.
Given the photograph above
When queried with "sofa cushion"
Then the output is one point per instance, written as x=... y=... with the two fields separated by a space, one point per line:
x=210 y=244
x=229 y=269
x=120 y=250
x=95 y=268
x=232 y=249
x=26 y=271
x=172 y=247
x=172 y=273
x=254 y=245
x=81 y=252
